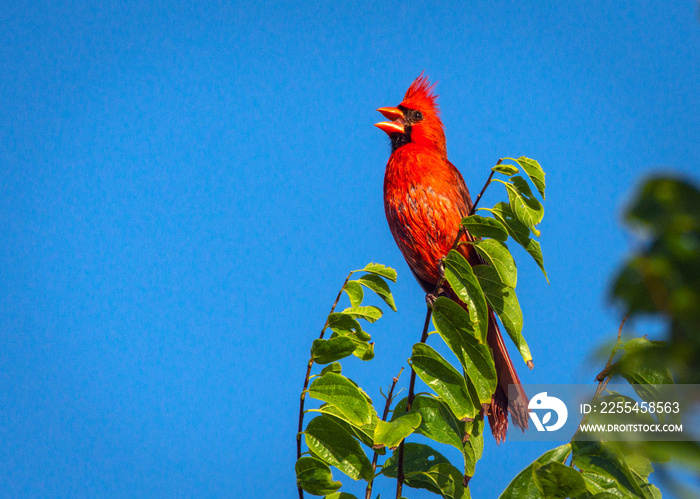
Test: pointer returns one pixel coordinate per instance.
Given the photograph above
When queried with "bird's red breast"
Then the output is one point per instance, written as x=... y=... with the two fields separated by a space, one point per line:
x=425 y=199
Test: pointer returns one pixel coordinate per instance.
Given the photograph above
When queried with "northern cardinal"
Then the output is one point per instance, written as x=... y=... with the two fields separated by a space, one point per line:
x=425 y=199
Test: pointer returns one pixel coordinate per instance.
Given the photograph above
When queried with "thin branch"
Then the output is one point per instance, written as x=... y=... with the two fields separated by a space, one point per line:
x=337 y=299
x=389 y=399
x=488 y=181
x=308 y=376
x=409 y=403
x=603 y=377
x=609 y=366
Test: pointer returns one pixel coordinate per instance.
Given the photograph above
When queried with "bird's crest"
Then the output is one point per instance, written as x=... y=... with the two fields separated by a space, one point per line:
x=420 y=94
x=429 y=130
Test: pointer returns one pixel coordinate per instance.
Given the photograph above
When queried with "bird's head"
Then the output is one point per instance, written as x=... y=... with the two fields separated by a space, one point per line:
x=416 y=120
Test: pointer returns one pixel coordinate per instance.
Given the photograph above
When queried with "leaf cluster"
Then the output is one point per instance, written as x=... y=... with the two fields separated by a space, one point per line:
x=661 y=279
x=348 y=337
x=600 y=470
x=347 y=418
x=348 y=426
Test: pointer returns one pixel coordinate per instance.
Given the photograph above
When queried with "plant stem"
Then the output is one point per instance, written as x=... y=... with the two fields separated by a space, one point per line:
x=603 y=378
x=609 y=366
x=409 y=402
x=308 y=375
x=389 y=399
x=488 y=181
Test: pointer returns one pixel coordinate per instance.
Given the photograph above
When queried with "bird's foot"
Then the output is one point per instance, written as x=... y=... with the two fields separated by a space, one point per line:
x=431 y=297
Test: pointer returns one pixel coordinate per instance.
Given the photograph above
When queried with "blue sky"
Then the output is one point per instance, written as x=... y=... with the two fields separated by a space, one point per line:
x=186 y=186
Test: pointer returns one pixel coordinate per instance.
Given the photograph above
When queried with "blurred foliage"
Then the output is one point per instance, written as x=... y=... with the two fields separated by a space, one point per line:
x=662 y=278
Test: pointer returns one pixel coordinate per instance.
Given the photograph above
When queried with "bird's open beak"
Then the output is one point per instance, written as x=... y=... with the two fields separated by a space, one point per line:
x=396 y=125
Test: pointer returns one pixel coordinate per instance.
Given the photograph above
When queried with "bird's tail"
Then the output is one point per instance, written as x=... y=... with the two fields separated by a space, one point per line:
x=500 y=403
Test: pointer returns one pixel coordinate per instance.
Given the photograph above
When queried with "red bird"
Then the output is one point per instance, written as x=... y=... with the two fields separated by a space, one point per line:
x=425 y=199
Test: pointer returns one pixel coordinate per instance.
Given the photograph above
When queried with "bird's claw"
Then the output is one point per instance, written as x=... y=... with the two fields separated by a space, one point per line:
x=431 y=297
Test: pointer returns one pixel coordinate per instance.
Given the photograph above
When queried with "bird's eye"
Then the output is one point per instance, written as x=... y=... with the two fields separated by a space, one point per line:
x=417 y=116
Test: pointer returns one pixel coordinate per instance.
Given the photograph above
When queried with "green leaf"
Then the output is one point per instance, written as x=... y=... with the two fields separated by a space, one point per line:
x=315 y=477
x=602 y=464
x=504 y=302
x=368 y=313
x=334 y=367
x=364 y=433
x=664 y=204
x=344 y=325
x=425 y=468
x=644 y=365
x=446 y=480
x=464 y=283
x=391 y=433
x=498 y=256
x=505 y=169
x=599 y=486
x=437 y=421
x=343 y=394
x=328 y=440
x=516 y=229
x=519 y=232
x=439 y=375
x=535 y=250
x=364 y=351
x=417 y=457
x=439 y=424
x=453 y=324
x=663 y=276
x=479 y=226
x=355 y=293
x=473 y=445
x=379 y=286
x=638 y=463
x=364 y=394
x=534 y=171
x=326 y=351
x=379 y=269
x=637 y=366
x=524 y=205
x=685 y=454
x=526 y=208
x=558 y=481
x=340 y=495
x=523 y=485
